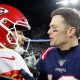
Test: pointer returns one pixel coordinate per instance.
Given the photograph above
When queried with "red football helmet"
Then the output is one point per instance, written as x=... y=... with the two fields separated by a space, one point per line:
x=9 y=18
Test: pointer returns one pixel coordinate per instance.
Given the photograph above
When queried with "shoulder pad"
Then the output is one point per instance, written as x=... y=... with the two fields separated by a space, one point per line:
x=44 y=55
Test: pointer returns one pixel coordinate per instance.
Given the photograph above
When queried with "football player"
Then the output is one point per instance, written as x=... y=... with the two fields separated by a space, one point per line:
x=12 y=22
x=62 y=60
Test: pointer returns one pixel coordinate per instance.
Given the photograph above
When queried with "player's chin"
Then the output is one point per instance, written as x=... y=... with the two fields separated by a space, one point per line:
x=51 y=43
x=22 y=44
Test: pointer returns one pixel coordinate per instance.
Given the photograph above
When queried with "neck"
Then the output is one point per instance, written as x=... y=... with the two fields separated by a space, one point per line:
x=69 y=44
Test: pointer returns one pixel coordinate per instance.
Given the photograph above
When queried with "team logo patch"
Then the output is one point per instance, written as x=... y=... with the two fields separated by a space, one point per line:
x=61 y=62
x=3 y=11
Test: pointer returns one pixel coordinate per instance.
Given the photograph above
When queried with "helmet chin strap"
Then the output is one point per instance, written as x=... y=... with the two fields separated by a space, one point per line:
x=21 y=50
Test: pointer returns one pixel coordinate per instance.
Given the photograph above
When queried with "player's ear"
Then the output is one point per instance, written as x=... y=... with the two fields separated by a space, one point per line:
x=71 y=31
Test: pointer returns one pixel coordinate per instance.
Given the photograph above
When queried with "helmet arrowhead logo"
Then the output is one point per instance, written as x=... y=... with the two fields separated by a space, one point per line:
x=3 y=11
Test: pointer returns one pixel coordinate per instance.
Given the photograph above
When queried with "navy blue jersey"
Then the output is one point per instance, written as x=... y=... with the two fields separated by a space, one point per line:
x=60 y=66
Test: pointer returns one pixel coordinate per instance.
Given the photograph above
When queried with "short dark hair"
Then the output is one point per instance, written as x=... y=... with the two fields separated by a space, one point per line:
x=70 y=15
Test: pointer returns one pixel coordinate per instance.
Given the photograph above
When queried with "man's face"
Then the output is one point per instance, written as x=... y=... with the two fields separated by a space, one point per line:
x=21 y=37
x=58 y=32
